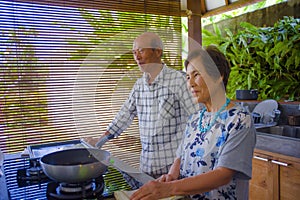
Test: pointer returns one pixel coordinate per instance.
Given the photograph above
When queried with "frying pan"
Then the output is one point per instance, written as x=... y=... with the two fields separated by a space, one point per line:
x=75 y=165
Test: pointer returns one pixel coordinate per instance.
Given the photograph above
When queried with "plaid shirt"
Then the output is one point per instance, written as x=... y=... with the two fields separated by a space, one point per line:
x=162 y=109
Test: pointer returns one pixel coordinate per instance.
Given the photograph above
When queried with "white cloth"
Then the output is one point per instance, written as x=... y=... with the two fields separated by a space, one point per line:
x=162 y=109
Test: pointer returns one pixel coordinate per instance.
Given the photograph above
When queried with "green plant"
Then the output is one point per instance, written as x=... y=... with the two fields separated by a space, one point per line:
x=107 y=28
x=264 y=58
x=23 y=100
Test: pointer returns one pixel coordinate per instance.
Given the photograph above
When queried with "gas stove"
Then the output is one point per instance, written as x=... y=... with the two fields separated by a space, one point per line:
x=25 y=180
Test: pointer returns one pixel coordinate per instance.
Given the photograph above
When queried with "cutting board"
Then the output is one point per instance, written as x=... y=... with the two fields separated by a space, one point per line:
x=125 y=195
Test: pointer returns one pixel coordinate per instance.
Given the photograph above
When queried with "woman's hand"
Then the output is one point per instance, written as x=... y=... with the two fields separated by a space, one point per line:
x=166 y=178
x=152 y=190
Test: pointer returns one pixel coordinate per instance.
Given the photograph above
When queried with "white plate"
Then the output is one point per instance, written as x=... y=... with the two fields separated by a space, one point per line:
x=266 y=106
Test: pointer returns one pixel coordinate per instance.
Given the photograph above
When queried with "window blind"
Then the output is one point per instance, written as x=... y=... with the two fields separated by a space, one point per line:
x=67 y=67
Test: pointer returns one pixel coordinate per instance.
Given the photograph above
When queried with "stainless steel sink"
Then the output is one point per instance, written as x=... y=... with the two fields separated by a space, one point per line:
x=284 y=130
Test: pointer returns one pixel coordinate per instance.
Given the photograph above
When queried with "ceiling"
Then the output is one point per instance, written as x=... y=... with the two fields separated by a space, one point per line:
x=214 y=7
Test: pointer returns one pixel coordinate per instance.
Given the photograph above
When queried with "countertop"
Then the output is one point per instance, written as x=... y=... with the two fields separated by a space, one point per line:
x=278 y=144
x=267 y=142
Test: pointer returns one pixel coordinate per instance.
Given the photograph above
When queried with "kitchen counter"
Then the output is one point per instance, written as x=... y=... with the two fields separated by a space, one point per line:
x=267 y=142
x=278 y=144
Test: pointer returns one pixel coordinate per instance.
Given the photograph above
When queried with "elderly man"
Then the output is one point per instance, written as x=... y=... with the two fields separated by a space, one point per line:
x=162 y=103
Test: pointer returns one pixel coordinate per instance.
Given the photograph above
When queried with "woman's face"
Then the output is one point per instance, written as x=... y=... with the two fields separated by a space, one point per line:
x=203 y=87
x=199 y=82
x=196 y=82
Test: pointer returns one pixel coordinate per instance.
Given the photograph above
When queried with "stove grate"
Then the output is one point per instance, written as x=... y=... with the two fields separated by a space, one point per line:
x=15 y=192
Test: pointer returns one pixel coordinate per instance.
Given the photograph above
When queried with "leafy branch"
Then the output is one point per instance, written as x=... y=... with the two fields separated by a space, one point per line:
x=264 y=58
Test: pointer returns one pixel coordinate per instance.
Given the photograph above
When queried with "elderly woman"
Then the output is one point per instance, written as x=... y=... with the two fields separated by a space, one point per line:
x=214 y=160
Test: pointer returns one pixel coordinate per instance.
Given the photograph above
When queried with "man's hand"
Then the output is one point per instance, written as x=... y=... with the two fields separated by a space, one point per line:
x=91 y=140
x=98 y=142
x=103 y=139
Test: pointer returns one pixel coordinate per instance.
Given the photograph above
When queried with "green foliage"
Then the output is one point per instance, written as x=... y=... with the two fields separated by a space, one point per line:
x=109 y=28
x=108 y=25
x=23 y=100
x=263 y=58
x=239 y=11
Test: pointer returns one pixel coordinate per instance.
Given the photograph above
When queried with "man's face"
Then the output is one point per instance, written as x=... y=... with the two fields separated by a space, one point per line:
x=144 y=55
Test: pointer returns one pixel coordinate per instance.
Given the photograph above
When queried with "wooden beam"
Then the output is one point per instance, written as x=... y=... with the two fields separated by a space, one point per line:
x=194 y=24
x=203 y=6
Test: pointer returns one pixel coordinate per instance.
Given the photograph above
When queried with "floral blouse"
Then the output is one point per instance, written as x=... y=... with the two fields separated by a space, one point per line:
x=229 y=143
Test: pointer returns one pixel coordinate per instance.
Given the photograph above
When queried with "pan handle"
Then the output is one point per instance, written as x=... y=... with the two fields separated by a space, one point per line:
x=102 y=141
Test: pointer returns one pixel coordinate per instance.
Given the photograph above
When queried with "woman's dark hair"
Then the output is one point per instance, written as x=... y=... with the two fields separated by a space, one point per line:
x=219 y=59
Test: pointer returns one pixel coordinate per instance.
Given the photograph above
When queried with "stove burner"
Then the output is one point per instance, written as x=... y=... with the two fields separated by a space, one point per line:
x=21 y=186
x=34 y=171
x=30 y=176
x=72 y=188
x=90 y=190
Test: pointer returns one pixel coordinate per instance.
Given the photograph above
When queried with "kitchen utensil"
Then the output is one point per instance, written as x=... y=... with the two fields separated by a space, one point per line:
x=246 y=94
x=75 y=165
x=37 y=151
x=123 y=167
x=118 y=164
x=129 y=170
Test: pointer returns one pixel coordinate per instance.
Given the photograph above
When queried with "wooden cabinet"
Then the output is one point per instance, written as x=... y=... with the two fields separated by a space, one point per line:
x=264 y=184
x=290 y=181
x=274 y=177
